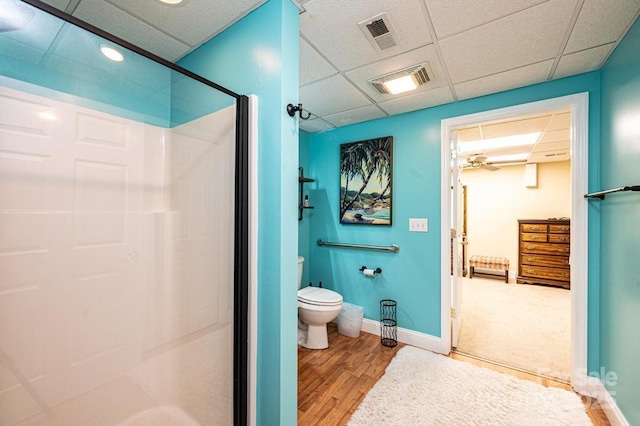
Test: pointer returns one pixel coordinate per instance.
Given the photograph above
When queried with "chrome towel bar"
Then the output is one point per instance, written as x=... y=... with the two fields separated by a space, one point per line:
x=394 y=248
x=601 y=194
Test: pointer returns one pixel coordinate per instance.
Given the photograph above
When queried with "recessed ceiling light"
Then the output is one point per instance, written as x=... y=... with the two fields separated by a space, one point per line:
x=111 y=53
x=172 y=2
x=402 y=81
x=400 y=85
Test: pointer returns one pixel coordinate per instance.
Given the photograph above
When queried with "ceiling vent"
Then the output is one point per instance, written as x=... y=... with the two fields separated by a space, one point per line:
x=419 y=74
x=379 y=32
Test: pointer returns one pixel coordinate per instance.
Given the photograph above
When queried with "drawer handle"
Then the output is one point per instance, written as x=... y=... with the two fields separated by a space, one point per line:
x=535 y=237
x=531 y=271
x=567 y=275
x=566 y=250
x=531 y=259
x=530 y=247
x=566 y=262
x=535 y=228
x=565 y=228
x=564 y=238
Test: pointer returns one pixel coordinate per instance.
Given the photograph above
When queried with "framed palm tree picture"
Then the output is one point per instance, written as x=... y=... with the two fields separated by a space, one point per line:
x=365 y=181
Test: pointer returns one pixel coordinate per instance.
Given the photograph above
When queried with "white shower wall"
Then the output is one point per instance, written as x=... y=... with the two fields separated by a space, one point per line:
x=116 y=249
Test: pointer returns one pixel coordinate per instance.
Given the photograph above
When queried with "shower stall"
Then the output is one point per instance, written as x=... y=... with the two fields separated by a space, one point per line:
x=123 y=232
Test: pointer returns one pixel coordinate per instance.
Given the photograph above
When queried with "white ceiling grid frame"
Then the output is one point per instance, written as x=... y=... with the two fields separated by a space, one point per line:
x=511 y=79
x=192 y=23
x=516 y=41
x=447 y=19
x=121 y=24
x=332 y=25
x=313 y=66
x=346 y=97
x=353 y=116
x=583 y=61
x=589 y=32
x=430 y=98
x=360 y=76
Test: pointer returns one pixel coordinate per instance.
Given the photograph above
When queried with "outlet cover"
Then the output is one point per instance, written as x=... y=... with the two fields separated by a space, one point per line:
x=418 y=225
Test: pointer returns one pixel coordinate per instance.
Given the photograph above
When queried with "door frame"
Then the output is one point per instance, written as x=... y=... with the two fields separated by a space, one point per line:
x=578 y=104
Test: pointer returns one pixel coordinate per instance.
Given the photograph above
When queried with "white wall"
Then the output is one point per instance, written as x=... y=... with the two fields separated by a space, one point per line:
x=496 y=200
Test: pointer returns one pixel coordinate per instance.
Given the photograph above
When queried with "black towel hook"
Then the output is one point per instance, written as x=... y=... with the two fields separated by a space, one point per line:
x=291 y=110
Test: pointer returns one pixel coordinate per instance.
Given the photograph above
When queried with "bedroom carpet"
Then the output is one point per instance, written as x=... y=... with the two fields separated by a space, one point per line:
x=524 y=326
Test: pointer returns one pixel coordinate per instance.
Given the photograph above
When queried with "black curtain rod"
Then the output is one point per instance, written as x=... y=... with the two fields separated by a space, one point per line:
x=117 y=40
x=601 y=194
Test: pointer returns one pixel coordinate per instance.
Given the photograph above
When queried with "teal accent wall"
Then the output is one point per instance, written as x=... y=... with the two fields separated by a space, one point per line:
x=620 y=233
x=303 y=225
x=412 y=276
x=259 y=55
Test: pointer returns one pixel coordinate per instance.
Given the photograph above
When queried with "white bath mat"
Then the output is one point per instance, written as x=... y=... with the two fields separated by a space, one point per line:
x=422 y=388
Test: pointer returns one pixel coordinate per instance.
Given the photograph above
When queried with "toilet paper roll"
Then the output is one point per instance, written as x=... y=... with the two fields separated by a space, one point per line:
x=369 y=272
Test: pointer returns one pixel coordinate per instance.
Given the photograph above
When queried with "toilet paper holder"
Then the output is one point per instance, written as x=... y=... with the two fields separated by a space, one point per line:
x=375 y=271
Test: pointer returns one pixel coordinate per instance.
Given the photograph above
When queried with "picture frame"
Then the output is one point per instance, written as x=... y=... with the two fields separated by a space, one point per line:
x=366 y=170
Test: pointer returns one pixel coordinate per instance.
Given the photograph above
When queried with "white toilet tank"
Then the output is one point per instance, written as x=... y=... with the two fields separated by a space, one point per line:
x=300 y=262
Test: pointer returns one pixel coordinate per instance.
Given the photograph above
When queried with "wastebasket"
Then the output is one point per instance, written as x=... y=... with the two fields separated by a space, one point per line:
x=350 y=320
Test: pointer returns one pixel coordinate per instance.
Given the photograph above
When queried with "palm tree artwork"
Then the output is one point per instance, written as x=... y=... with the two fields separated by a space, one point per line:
x=365 y=181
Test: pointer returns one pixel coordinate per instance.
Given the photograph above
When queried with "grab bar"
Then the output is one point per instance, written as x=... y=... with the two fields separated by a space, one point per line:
x=601 y=194
x=394 y=248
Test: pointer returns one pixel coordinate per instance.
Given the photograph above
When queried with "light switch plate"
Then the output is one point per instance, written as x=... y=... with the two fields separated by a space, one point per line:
x=418 y=225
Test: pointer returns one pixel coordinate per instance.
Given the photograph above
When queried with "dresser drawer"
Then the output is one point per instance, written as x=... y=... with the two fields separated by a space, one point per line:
x=533 y=227
x=534 y=237
x=544 y=260
x=559 y=238
x=544 y=248
x=559 y=229
x=545 y=272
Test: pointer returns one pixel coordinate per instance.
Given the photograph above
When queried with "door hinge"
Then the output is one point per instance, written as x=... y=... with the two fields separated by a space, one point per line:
x=453 y=313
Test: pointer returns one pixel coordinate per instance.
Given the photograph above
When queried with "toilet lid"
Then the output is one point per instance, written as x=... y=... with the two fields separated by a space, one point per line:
x=319 y=296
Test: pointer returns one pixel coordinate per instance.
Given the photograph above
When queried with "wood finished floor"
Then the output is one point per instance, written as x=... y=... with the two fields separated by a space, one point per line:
x=333 y=382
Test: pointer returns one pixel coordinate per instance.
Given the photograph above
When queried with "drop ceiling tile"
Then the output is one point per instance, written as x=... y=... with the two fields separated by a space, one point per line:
x=560 y=121
x=330 y=96
x=469 y=134
x=317 y=125
x=583 y=61
x=556 y=136
x=332 y=26
x=192 y=23
x=115 y=21
x=448 y=20
x=601 y=22
x=369 y=112
x=58 y=4
x=507 y=80
x=427 y=54
x=515 y=127
x=313 y=67
x=511 y=42
x=428 y=99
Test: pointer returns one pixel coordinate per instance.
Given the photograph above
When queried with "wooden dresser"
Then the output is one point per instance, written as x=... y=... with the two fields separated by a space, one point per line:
x=543 y=252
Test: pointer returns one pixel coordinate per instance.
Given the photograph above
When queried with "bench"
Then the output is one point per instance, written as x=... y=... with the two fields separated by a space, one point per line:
x=489 y=262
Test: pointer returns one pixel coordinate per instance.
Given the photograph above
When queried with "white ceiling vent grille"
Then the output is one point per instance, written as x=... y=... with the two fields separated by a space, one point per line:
x=379 y=32
x=420 y=74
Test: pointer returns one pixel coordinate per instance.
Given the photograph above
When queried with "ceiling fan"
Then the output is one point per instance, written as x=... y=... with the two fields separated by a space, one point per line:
x=479 y=162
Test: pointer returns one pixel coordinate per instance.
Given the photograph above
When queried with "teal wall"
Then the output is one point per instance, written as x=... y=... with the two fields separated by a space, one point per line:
x=412 y=276
x=620 y=233
x=303 y=225
x=259 y=55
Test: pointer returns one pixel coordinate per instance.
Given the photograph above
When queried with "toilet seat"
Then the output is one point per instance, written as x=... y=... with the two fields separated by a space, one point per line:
x=319 y=296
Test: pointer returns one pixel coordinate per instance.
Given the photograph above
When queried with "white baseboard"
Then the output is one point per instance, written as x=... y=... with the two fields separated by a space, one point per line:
x=593 y=387
x=410 y=337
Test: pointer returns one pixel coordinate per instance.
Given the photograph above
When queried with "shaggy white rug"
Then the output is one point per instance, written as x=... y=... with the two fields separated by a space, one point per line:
x=422 y=388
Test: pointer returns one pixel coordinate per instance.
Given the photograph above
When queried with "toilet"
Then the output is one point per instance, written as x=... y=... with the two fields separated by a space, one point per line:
x=316 y=307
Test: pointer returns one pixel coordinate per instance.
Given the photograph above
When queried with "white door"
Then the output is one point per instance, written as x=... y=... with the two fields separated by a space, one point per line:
x=70 y=236
x=457 y=241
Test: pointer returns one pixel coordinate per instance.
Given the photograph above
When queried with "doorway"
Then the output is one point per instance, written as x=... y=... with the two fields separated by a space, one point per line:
x=516 y=305
x=451 y=296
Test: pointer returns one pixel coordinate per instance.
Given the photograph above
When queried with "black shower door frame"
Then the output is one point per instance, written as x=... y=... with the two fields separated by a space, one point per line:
x=241 y=210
